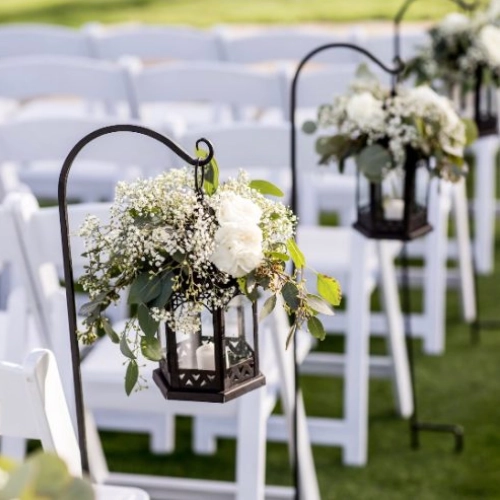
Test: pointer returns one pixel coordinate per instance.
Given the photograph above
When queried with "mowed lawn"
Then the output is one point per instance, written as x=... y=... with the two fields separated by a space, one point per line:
x=205 y=13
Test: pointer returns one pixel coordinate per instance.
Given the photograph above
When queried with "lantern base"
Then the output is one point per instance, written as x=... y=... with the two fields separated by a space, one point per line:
x=383 y=229
x=206 y=396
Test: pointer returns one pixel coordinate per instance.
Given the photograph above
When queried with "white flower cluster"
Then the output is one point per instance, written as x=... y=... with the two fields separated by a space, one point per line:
x=462 y=44
x=417 y=117
x=163 y=226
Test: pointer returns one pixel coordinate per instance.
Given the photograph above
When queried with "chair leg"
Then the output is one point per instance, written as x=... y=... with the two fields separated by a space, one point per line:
x=484 y=202
x=395 y=334
x=467 y=282
x=434 y=287
x=204 y=441
x=251 y=451
x=357 y=357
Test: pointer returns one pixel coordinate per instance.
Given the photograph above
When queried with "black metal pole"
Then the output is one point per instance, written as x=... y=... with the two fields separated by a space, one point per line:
x=294 y=206
x=66 y=250
x=415 y=424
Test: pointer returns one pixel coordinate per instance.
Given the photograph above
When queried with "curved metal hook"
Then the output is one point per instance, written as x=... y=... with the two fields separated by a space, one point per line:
x=293 y=98
x=68 y=263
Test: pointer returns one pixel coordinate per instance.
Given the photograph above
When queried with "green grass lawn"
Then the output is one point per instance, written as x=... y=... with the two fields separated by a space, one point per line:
x=210 y=12
x=461 y=387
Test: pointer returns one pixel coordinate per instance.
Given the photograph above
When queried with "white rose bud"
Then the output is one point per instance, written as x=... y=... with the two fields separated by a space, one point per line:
x=366 y=111
x=489 y=38
x=238 y=210
x=238 y=249
x=454 y=22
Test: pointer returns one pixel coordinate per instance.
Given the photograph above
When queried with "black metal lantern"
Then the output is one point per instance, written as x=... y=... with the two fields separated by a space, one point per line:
x=218 y=363
x=395 y=208
x=485 y=104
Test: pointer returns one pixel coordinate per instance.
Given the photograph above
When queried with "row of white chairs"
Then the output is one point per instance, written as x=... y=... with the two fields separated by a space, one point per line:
x=237 y=146
x=350 y=432
x=222 y=43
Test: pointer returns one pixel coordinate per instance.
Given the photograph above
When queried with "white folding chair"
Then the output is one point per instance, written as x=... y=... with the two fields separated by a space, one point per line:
x=381 y=45
x=49 y=85
x=284 y=45
x=42 y=39
x=33 y=151
x=154 y=43
x=103 y=368
x=190 y=93
x=33 y=406
x=264 y=152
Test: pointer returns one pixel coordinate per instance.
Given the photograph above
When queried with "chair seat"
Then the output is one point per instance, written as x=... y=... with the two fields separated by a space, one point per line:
x=105 y=492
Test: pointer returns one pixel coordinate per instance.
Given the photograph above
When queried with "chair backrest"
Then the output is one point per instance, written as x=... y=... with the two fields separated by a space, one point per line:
x=33 y=405
x=62 y=76
x=213 y=83
x=42 y=39
x=262 y=150
x=290 y=44
x=102 y=163
x=382 y=44
x=154 y=43
x=14 y=286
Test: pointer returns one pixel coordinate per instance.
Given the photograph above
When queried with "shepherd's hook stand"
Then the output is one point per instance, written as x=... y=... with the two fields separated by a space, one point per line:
x=294 y=205
x=415 y=425
x=66 y=250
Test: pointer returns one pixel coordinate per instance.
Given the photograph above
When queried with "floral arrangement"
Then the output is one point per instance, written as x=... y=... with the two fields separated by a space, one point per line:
x=169 y=237
x=460 y=46
x=376 y=126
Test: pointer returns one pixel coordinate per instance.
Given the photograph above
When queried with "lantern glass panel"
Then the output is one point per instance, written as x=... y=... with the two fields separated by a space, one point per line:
x=238 y=341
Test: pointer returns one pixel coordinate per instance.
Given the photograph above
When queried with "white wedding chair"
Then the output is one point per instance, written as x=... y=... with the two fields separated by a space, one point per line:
x=33 y=406
x=153 y=43
x=284 y=45
x=191 y=93
x=50 y=85
x=33 y=151
x=17 y=40
x=324 y=188
x=264 y=152
x=103 y=373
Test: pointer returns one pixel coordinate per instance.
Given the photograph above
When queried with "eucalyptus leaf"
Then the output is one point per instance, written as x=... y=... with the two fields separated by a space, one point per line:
x=290 y=294
x=166 y=283
x=148 y=325
x=52 y=475
x=125 y=349
x=151 y=348
x=144 y=288
x=268 y=307
x=296 y=253
x=329 y=289
x=108 y=329
x=373 y=161
x=266 y=188
x=471 y=132
x=309 y=127
x=131 y=376
x=316 y=328
x=319 y=305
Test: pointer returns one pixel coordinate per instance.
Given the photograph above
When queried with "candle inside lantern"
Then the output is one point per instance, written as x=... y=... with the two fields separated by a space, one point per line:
x=394 y=209
x=205 y=357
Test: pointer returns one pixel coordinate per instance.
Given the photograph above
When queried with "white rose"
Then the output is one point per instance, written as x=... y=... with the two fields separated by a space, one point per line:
x=454 y=22
x=489 y=39
x=238 y=210
x=238 y=249
x=365 y=111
